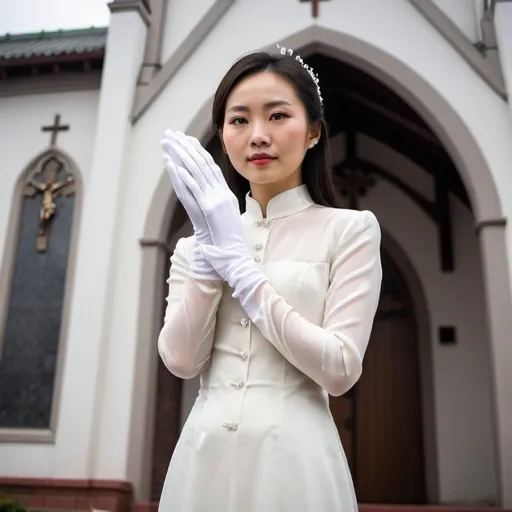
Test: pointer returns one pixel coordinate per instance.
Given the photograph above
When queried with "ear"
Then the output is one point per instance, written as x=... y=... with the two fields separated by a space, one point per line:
x=315 y=131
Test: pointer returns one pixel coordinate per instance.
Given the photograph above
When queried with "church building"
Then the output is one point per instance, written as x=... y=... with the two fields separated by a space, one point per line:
x=417 y=96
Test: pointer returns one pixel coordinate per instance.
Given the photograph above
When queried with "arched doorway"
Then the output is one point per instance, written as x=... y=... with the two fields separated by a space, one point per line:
x=380 y=419
x=169 y=389
x=381 y=424
x=430 y=149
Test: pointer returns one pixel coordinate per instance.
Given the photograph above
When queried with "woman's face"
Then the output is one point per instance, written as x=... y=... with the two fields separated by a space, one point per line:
x=266 y=131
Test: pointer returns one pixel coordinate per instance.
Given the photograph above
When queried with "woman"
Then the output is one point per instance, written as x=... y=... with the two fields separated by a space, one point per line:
x=273 y=308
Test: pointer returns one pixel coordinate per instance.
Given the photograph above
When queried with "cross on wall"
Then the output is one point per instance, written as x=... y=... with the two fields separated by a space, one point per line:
x=55 y=128
x=314 y=7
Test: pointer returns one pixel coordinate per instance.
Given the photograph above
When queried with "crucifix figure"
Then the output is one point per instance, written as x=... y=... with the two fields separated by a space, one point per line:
x=55 y=129
x=353 y=183
x=50 y=188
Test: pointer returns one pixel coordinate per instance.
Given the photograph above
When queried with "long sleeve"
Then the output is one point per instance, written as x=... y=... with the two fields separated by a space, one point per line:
x=330 y=354
x=186 y=338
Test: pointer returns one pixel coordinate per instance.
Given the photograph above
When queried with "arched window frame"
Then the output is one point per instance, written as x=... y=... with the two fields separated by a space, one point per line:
x=22 y=435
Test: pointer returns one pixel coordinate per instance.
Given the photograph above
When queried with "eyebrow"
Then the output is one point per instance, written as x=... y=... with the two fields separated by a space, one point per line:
x=269 y=105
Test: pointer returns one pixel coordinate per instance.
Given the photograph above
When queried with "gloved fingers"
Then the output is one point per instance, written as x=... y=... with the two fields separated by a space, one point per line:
x=168 y=162
x=167 y=146
x=172 y=171
x=170 y=167
x=216 y=171
x=182 y=192
x=189 y=182
x=190 y=203
x=188 y=162
x=202 y=158
x=188 y=144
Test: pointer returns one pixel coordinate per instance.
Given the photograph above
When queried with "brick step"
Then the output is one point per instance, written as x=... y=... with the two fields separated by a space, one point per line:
x=69 y=495
x=371 y=507
x=153 y=507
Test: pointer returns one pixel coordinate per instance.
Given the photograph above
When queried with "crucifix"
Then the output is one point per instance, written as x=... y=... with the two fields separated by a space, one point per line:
x=314 y=8
x=353 y=183
x=50 y=187
x=352 y=180
x=55 y=129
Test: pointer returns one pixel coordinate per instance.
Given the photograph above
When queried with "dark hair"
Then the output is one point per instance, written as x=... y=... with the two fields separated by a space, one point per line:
x=316 y=166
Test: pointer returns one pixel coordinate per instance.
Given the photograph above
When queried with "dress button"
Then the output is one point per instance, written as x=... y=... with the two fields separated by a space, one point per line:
x=257 y=259
x=231 y=425
x=266 y=223
x=243 y=356
x=258 y=247
x=238 y=385
x=244 y=322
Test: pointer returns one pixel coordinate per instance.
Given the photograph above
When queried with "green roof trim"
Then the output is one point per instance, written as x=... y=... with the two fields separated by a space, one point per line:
x=52 y=44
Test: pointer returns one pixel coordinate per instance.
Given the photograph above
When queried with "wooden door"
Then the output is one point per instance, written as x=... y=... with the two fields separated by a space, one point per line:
x=379 y=420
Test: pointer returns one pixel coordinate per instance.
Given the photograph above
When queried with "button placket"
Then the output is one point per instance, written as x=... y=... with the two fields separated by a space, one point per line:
x=261 y=238
x=258 y=241
x=245 y=323
x=239 y=386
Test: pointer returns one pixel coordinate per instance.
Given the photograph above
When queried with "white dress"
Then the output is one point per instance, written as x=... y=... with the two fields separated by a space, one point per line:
x=260 y=437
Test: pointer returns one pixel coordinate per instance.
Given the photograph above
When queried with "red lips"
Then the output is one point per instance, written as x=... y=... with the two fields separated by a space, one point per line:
x=261 y=156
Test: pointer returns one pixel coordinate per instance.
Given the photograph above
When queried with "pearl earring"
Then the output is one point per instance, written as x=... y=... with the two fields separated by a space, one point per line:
x=313 y=144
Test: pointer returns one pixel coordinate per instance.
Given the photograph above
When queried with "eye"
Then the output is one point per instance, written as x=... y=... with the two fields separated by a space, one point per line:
x=238 y=120
x=278 y=116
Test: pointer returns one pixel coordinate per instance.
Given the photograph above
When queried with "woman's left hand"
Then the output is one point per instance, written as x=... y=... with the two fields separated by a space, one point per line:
x=229 y=255
x=204 y=179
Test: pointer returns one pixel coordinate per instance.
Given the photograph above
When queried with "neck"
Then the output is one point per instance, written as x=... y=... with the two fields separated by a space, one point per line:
x=263 y=194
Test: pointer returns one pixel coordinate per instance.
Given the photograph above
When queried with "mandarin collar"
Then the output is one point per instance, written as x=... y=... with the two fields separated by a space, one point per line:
x=284 y=204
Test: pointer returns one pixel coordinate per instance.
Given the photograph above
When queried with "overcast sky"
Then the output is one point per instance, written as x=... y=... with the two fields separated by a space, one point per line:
x=18 y=16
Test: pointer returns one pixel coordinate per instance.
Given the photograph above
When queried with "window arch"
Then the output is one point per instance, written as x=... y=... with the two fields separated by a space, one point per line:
x=34 y=293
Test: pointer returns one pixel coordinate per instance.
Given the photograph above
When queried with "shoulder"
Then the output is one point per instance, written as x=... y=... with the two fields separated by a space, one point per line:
x=345 y=221
x=350 y=232
x=356 y=238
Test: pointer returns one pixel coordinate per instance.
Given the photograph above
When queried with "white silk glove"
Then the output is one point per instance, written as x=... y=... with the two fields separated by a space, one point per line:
x=200 y=268
x=228 y=254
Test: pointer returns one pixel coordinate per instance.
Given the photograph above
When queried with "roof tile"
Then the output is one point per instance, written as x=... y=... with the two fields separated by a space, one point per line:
x=47 y=44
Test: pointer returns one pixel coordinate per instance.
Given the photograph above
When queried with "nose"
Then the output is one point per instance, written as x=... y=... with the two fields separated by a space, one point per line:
x=259 y=136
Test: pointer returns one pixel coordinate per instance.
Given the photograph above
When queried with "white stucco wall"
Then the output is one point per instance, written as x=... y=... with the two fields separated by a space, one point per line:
x=95 y=374
x=465 y=15
x=98 y=139
x=503 y=19
x=21 y=137
x=21 y=140
x=180 y=20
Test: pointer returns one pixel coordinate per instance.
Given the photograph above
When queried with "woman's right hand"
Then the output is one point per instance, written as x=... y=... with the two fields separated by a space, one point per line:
x=199 y=267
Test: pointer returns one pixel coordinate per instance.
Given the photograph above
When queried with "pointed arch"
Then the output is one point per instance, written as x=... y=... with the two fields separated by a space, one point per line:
x=470 y=159
x=49 y=285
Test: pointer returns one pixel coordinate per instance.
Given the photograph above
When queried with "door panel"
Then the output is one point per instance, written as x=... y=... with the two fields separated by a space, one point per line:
x=384 y=445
